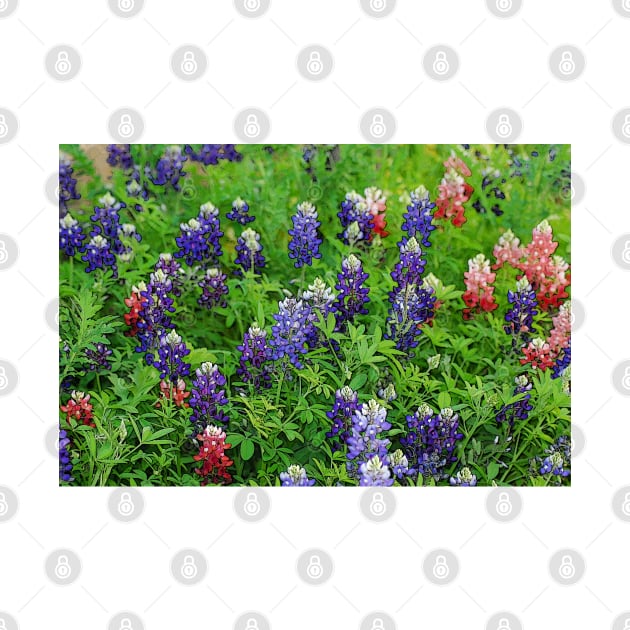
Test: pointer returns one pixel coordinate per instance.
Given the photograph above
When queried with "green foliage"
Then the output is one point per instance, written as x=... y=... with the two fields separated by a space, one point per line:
x=142 y=438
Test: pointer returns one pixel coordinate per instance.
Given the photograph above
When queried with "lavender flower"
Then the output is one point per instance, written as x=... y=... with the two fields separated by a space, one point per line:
x=464 y=478
x=98 y=357
x=418 y=220
x=346 y=403
x=320 y=297
x=291 y=331
x=399 y=463
x=520 y=318
x=207 y=397
x=520 y=409
x=71 y=236
x=368 y=422
x=98 y=256
x=295 y=476
x=563 y=362
x=173 y=270
x=240 y=212
x=214 y=289
x=412 y=308
x=171 y=352
x=120 y=155
x=249 y=253
x=154 y=319
x=169 y=168
x=352 y=294
x=431 y=440
x=199 y=239
x=305 y=242
x=356 y=220
x=254 y=356
x=65 y=459
x=67 y=186
x=210 y=154
x=374 y=472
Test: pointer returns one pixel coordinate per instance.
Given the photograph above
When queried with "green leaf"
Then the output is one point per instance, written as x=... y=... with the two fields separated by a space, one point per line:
x=247 y=449
x=492 y=470
x=358 y=381
x=444 y=400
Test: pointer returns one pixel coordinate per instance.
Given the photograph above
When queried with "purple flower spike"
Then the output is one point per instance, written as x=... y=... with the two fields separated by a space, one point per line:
x=240 y=212
x=71 y=236
x=290 y=333
x=295 y=476
x=207 y=397
x=305 y=241
x=353 y=296
x=249 y=253
x=214 y=289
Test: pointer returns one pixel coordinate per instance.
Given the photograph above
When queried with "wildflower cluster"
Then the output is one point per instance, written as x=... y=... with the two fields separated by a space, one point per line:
x=479 y=292
x=353 y=294
x=199 y=239
x=240 y=212
x=518 y=410
x=213 y=462
x=453 y=191
x=249 y=253
x=208 y=397
x=295 y=475
x=79 y=408
x=305 y=241
x=290 y=332
x=255 y=354
x=67 y=186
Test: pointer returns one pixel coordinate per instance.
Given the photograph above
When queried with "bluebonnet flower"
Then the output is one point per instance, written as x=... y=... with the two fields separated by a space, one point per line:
x=214 y=289
x=291 y=331
x=65 y=459
x=412 y=307
x=353 y=296
x=170 y=360
x=346 y=403
x=418 y=220
x=120 y=155
x=98 y=256
x=207 y=397
x=210 y=154
x=356 y=220
x=98 y=357
x=399 y=464
x=153 y=317
x=305 y=241
x=106 y=220
x=199 y=240
x=71 y=236
x=464 y=478
x=409 y=268
x=562 y=362
x=295 y=476
x=67 y=186
x=520 y=318
x=431 y=440
x=554 y=464
x=520 y=409
x=136 y=187
x=171 y=268
x=249 y=252
x=374 y=472
x=388 y=392
x=320 y=298
x=368 y=422
x=240 y=212
x=169 y=168
x=254 y=355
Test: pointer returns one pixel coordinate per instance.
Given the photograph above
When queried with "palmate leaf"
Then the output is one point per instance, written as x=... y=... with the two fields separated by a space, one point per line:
x=82 y=329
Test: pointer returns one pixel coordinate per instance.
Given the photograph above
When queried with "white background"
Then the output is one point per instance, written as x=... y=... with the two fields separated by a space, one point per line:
x=251 y=62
